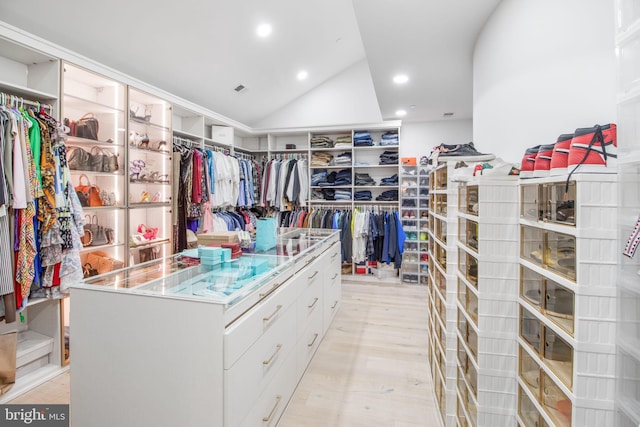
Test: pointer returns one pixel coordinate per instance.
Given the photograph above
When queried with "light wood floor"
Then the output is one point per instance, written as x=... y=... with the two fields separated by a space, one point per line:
x=370 y=370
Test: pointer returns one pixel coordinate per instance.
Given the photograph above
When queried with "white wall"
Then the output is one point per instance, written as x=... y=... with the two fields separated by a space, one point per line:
x=542 y=68
x=418 y=138
x=345 y=99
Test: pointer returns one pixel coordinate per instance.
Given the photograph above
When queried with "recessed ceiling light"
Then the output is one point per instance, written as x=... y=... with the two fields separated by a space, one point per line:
x=263 y=30
x=401 y=113
x=400 y=79
x=302 y=75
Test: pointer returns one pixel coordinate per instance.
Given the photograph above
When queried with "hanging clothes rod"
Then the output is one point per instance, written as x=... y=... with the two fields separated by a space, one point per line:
x=19 y=101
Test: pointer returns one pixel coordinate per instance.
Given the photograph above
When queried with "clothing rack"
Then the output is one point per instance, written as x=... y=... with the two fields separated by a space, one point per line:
x=219 y=148
x=19 y=101
x=244 y=156
x=286 y=156
x=184 y=142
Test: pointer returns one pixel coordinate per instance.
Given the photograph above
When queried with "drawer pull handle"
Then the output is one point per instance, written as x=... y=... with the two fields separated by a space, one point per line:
x=268 y=417
x=266 y=319
x=313 y=275
x=334 y=256
x=334 y=305
x=266 y=362
x=334 y=276
x=273 y=288
x=315 y=300
x=315 y=337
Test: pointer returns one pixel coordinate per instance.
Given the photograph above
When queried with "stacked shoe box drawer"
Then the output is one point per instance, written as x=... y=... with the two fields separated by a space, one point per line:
x=487 y=277
x=442 y=284
x=567 y=301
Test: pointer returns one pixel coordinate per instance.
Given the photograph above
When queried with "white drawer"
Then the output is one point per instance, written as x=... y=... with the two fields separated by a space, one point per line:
x=309 y=303
x=253 y=372
x=309 y=341
x=264 y=316
x=268 y=409
x=332 y=297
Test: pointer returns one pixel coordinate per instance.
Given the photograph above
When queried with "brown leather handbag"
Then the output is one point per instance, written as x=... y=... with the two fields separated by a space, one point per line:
x=89 y=194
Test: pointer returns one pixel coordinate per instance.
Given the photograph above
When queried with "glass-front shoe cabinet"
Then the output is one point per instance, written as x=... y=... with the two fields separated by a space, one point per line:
x=567 y=303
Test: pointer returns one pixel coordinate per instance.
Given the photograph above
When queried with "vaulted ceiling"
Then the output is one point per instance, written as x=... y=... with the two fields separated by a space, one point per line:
x=201 y=50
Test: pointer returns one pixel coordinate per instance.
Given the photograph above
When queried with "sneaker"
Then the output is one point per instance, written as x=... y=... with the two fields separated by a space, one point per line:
x=542 y=163
x=560 y=156
x=594 y=150
x=528 y=162
x=460 y=150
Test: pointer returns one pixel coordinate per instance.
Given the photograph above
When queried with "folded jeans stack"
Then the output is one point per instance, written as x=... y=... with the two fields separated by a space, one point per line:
x=318 y=176
x=342 y=159
x=362 y=195
x=389 y=138
x=362 y=139
x=389 y=158
x=321 y=159
x=317 y=195
x=390 y=181
x=328 y=194
x=364 y=179
x=388 y=196
x=343 y=177
x=342 y=195
x=329 y=181
x=321 y=141
x=343 y=141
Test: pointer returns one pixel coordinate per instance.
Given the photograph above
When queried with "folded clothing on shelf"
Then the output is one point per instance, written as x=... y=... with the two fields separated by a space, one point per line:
x=364 y=179
x=390 y=181
x=321 y=159
x=362 y=195
x=321 y=141
x=389 y=138
x=388 y=196
x=343 y=141
x=342 y=195
x=318 y=176
x=342 y=159
x=362 y=139
x=389 y=158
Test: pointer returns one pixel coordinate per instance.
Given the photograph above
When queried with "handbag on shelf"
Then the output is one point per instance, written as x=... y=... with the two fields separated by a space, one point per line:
x=94 y=234
x=78 y=159
x=103 y=160
x=89 y=194
x=102 y=262
x=89 y=270
x=88 y=127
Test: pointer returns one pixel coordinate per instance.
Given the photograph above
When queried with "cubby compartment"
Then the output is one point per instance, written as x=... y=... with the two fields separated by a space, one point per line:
x=468 y=334
x=440 y=229
x=440 y=178
x=439 y=204
x=468 y=266
x=560 y=254
x=530 y=329
x=549 y=298
x=558 y=355
x=629 y=65
x=561 y=202
x=468 y=233
x=440 y=255
x=532 y=244
x=529 y=206
x=469 y=301
x=529 y=372
x=555 y=402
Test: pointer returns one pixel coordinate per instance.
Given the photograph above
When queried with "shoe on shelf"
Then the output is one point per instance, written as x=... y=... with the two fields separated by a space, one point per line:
x=461 y=150
x=560 y=156
x=594 y=150
x=542 y=162
x=528 y=162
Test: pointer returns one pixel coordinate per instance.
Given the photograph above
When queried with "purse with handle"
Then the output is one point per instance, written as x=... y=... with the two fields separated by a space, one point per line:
x=94 y=233
x=88 y=127
x=89 y=194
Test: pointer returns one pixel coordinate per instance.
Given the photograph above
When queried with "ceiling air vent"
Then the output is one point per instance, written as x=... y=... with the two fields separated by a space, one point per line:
x=240 y=88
